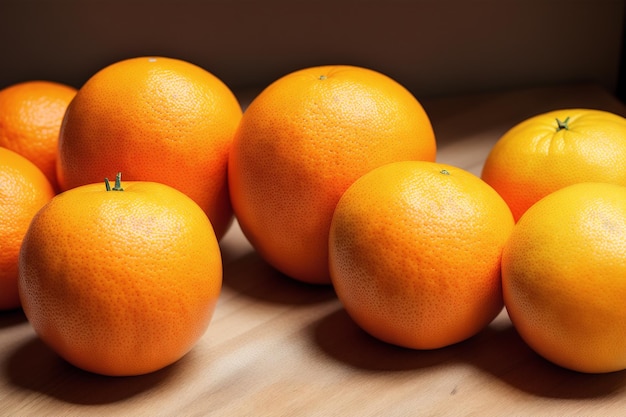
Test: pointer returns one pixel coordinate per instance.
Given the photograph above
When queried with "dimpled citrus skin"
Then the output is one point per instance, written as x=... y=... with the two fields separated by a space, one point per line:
x=120 y=282
x=415 y=252
x=24 y=189
x=301 y=142
x=155 y=119
x=536 y=157
x=564 y=277
x=31 y=113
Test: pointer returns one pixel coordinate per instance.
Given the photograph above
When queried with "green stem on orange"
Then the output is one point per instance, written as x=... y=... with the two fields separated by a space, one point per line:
x=560 y=125
x=118 y=183
x=444 y=172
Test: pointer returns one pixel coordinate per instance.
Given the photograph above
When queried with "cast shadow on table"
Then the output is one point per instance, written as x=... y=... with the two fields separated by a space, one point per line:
x=252 y=276
x=497 y=350
x=35 y=367
x=12 y=318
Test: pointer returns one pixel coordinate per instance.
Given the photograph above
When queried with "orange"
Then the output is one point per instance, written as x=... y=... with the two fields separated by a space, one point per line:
x=564 y=277
x=155 y=119
x=555 y=149
x=24 y=189
x=30 y=118
x=415 y=250
x=301 y=142
x=120 y=282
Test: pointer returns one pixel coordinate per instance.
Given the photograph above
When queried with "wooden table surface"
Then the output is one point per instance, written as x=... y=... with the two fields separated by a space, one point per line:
x=277 y=347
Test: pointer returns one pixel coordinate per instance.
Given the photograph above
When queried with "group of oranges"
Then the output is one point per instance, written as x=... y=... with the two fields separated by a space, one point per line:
x=332 y=176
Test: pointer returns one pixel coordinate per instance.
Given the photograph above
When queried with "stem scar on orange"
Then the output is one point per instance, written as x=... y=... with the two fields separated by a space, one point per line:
x=120 y=280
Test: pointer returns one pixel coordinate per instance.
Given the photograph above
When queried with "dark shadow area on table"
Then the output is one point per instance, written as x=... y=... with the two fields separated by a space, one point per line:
x=35 y=367
x=339 y=337
x=507 y=357
x=497 y=350
x=12 y=317
x=252 y=276
x=233 y=244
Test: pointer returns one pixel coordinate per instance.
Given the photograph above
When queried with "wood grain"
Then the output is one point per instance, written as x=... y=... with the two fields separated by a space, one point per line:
x=277 y=347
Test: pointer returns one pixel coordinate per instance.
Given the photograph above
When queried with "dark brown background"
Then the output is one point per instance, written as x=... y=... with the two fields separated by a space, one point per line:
x=434 y=47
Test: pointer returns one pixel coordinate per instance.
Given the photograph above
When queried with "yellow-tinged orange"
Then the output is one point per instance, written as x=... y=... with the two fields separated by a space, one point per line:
x=564 y=277
x=24 y=189
x=552 y=150
x=415 y=250
x=31 y=113
x=155 y=119
x=301 y=142
x=120 y=282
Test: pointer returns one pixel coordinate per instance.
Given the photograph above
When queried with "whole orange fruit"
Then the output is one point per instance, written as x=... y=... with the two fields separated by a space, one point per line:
x=120 y=282
x=302 y=141
x=31 y=113
x=415 y=250
x=555 y=149
x=155 y=119
x=564 y=277
x=24 y=189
